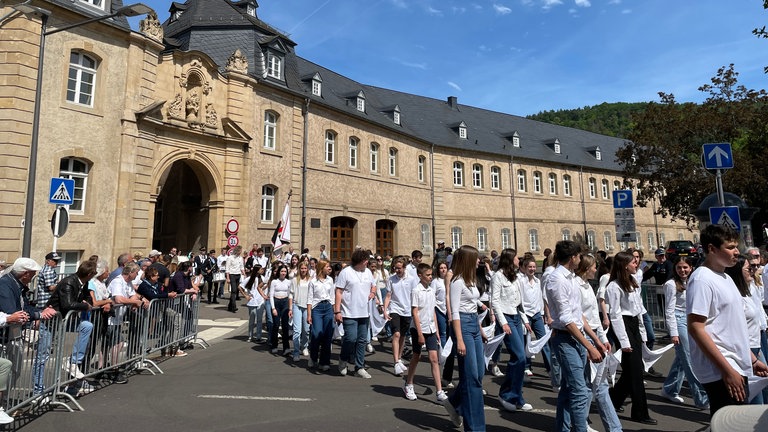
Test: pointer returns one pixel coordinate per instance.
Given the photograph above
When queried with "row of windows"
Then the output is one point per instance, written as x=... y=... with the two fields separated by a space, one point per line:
x=374 y=150
x=552 y=184
x=477 y=176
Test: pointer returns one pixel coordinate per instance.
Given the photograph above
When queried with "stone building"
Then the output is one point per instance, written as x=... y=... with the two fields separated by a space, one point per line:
x=171 y=130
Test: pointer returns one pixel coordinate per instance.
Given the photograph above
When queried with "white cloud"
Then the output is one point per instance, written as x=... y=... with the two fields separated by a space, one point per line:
x=477 y=6
x=484 y=48
x=422 y=66
x=402 y=4
x=434 y=12
x=458 y=10
x=583 y=3
x=501 y=9
x=548 y=4
x=454 y=85
x=626 y=11
x=614 y=2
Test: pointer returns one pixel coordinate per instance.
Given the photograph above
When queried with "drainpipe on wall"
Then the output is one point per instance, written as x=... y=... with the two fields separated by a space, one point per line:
x=583 y=204
x=305 y=144
x=512 y=199
x=432 y=192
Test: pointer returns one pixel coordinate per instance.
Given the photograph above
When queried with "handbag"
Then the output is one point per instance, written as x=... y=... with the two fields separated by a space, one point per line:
x=219 y=277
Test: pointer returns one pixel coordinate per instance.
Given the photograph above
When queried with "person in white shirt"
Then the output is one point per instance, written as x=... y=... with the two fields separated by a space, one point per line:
x=465 y=404
x=235 y=269
x=623 y=296
x=279 y=290
x=221 y=266
x=297 y=302
x=321 y=299
x=720 y=354
x=424 y=332
x=397 y=309
x=253 y=291
x=571 y=347
x=674 y=294
x=354 y=289
x=533 y=305
x=416 y=257
x=507 y=304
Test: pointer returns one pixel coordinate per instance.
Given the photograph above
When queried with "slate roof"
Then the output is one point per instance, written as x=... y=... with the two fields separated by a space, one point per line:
x=89 y=11
x=218 y=27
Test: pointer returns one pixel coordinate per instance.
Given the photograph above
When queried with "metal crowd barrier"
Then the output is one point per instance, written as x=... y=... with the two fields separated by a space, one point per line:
x=95 y=342
x=655 y=302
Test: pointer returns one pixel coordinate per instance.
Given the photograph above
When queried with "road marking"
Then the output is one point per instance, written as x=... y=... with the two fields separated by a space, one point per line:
x=537 y=411
x=262 y=398
x=212 y=323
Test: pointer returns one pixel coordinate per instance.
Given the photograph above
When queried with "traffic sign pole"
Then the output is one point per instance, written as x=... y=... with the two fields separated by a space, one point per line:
x=719 y=186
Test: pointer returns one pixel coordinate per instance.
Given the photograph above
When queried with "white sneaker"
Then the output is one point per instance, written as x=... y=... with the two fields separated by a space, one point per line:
x=362 y=373
x=369 y=348
x=442 y=396
x=484 y=392
x=448 y=384
x=528 y=372
x=496 y=371
x=525 y=407
x=85 y=388
x=455 y=417
x=676 y=399
x=343 y=368
x=4 y=417
x=400 y=369
x=512 y=407
x=74 y=370
x=305 y=352
x=374 y=339
x=591 y=429
x=409 y=393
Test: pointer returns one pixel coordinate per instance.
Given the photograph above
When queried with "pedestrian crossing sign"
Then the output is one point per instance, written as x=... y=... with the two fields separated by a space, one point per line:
x=62 y=191
x=726 y=216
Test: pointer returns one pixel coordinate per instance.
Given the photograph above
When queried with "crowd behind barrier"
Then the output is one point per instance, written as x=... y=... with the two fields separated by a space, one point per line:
x=124 y=339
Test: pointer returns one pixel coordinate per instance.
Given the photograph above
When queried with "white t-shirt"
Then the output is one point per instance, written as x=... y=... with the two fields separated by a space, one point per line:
x=400 y=294
x=119 y=287
x=715 y=296
x=321 y=290
x=438 y=286
x=423 y=298
x=256 y=298
x=464 y=299
x=356 y=287
x=533 y=295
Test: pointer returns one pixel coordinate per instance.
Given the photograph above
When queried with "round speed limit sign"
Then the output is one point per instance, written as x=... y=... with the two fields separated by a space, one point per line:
x=233 y=241
x=233 y=226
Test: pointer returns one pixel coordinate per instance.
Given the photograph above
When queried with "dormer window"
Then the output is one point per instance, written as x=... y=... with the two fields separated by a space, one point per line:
x=396 y=117
x=250 y=9
x=274 y=66
x=554 y=145
x=361 y=104
x=515 y=140
x=598 y=155
x=97 y=3
x=461 y=128
x=317 y=88
x=176 y=15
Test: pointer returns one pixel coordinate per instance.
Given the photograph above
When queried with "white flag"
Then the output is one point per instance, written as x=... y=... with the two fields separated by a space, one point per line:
x=282 y=234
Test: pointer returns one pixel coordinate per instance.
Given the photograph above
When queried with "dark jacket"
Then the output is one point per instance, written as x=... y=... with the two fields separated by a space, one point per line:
x=659 y=272
x=69 y=295
x=147 y=290
x=10 y=297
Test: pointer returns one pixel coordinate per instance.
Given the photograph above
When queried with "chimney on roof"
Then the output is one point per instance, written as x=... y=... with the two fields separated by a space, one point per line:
x=453 y=102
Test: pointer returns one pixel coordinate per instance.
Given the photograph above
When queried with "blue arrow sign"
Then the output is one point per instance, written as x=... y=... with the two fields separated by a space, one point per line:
x=726 y=216
x=717 y=156
x=622 y=199
x=62 y=191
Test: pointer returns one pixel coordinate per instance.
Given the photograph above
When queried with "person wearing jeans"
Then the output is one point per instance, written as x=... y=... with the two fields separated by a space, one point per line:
x=298 y=300
x=355 y=287
x=321 y=298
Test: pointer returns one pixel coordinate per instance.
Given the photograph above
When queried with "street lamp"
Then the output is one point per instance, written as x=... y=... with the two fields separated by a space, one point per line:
x=129 y=11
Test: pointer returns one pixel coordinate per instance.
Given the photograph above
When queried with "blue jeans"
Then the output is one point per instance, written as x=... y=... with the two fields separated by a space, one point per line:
x=574 y=397
x=354 y=342
x=648 y=324
x=255 y=317
x=84 y=329
x=268 y=312
x=681 y=366
x=443 y=327
x=467 y=399
x=512 y=388
x=322 y=333
x=758 y=399
x=300 y=329
x=605 y=407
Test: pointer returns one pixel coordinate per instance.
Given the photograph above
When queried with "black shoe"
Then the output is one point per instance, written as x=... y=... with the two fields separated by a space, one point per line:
x=620 y=409
x=119 y=378
x=215 y=302
x=653 y=373
x=648 y=421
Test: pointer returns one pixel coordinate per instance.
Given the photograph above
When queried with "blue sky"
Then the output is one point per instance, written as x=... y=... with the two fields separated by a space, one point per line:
x=524 y=56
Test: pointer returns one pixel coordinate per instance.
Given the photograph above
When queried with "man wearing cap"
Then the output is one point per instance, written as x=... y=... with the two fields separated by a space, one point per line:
x=204 y=267
x=46 y=281
x=440 y=254
x=661 y=271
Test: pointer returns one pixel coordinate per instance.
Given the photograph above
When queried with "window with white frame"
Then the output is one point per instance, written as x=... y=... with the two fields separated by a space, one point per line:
x=604 y=187
x=567 y=185
x=533 y=239
x=616 y=185
x=81 y=81
x=462 y=132
x=354 y=147
x=426 y=238
x=97 y=3
x=482 y=239
x=566 y=234
x=591 y=243
x=396 y=117
x=330 y=147
x=506 y=238
x=537 y=182
x=608 y=240
x=250 y=9
x=458 y=174
x=268 y=203
x=495 y=178
x=455 y=238
x=317 y=88
x=521 y=187
x=516 y=141
x=392 y=161
x=695 y=238
x=598 y=154
x=639 y=242
x=69 y=262
x=662 y=239
x=274 y=66
x=552 y=184
x=680 y=236
x=270 y=130
x=651 y=240
x=374 y=157
x=420 y=168
x=477 y=175
x=360 y=104
x=77 y=170
x=592 y=188
x=623 y=245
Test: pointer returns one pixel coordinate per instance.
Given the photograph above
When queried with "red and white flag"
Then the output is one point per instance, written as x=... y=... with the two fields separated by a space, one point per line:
x=282 y=234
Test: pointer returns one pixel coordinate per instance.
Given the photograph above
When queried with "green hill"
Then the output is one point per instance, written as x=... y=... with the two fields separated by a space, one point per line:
x=613 y=119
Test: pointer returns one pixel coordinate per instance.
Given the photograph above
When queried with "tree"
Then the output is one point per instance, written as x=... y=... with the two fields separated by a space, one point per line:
x=663 y=155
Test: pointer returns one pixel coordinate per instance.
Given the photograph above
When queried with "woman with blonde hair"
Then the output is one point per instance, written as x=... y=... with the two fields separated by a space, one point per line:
x=297 y=304
x=320 y=300
x=466 y=403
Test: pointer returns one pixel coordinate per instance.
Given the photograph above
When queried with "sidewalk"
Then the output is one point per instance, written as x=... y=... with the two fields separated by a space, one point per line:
x=216 y=323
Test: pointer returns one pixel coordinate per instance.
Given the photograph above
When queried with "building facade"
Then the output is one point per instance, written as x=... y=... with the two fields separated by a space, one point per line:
x=172 y=130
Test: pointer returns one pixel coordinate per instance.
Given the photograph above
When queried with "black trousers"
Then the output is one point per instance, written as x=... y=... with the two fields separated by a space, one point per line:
x=720 y=397
x=631 y=381
x=234 y=284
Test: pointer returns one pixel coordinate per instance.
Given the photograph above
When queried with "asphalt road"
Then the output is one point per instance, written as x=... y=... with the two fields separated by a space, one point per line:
x=239 y=386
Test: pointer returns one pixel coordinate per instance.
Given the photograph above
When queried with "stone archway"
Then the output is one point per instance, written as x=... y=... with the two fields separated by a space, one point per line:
x=182 y=208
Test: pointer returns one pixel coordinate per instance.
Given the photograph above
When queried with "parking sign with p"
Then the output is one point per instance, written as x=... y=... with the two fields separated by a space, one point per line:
x=622 y=198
